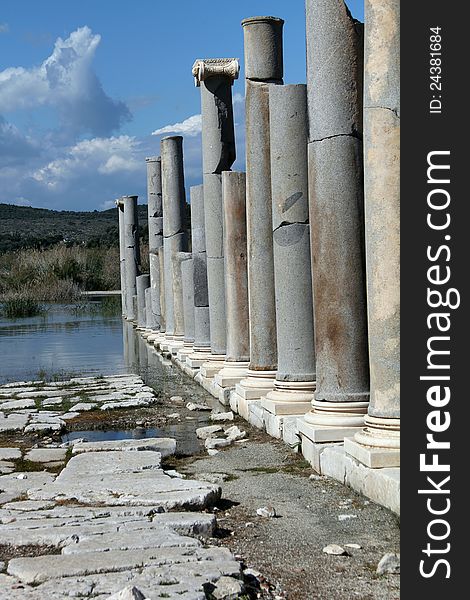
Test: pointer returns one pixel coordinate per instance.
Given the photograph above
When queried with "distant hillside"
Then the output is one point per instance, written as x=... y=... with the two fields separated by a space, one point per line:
x=26 y=227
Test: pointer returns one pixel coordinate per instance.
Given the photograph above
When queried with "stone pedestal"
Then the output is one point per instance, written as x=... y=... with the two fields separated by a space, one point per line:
x=236 y=281
x=378 y=445
x=155 y=226
x=202 y=342
x=149 y=320
x=132 y=252
x=336 y=214
x=122 y=255
x=174 y=234
x=295 y=377
x=184 y=314
x=263 y=64
x=215 y=78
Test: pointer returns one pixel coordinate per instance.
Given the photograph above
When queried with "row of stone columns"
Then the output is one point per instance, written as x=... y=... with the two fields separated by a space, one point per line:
x=290 y=295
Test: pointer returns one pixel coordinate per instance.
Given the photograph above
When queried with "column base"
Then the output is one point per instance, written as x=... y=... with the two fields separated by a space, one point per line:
x=215 y=364
x=152 y=336
x=378 y=444
x=289 y=398
x=176 y=344
x=256 y=384
x=334 y=421
x=231 y=373
x=198 y=357
x=185 y=351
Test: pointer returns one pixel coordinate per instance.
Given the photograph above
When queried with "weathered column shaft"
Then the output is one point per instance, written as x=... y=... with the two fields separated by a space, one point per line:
x=295 y=377
x=142 y=283
x=122 y=255
x=149 y=315
x=218 y=154
x=174 y=235
x=155 y=226
x=178 y=302
x=201 y=294
x=236 y=278
x=161 y=262
x=263 y=65
x=382 y=220
x=132 y=252
x=187 y=278
x=334 y=80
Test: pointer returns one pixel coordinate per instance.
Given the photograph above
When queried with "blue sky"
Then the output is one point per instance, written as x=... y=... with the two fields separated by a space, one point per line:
x=83 y=85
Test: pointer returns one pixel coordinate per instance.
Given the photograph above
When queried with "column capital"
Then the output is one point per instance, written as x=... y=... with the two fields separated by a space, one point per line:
x=203 y=68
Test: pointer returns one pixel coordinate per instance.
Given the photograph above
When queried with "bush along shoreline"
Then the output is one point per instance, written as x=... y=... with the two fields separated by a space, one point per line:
x=31 y=278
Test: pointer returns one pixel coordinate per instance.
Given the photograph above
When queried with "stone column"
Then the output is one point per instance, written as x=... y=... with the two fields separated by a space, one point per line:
x=178 y=302
x=215 y=78
x=236 y=280
x=155 y=225
x=132 y=252
x=295 y=377
x=122 y=255
x=263 y=65
x=378 y=444
x=161 y=262
x=202 y=342
x=142 y=283
x=174 y=234
x=186 y=269
x=335 y=39
x=149 y=314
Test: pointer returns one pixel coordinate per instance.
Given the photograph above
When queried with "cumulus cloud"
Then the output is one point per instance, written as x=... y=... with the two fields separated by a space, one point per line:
x=66 y=81
x=14 y=146
x=101 y=155
x=191 y=127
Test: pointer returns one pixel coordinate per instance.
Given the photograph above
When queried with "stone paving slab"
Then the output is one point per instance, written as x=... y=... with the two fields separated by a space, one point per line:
x=166 y=446
x=46 y=455
x=39 y=569
x=117 y=532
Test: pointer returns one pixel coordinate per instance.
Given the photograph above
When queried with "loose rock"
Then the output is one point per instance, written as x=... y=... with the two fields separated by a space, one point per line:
x=266 y=511
x=389 y=563
x=335 y=550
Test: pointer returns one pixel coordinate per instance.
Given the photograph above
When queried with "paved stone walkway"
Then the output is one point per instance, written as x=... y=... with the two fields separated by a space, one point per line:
x=103 y=524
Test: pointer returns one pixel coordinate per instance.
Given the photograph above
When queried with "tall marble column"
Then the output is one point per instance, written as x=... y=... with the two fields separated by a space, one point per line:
x=155 y=225
x=335 y=39
x=122 y=255
x=174 y=234
x=295 y=376
x=186 y=267
x=215 y=78
x=202 y=341
x=142 y=283
x=161 y=262
x=378 y=444
x=263 y=66
x=236 y=280
x=132 y=252
x=178 y=301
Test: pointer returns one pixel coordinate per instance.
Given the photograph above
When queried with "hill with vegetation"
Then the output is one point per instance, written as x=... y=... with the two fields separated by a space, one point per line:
x=25 y=227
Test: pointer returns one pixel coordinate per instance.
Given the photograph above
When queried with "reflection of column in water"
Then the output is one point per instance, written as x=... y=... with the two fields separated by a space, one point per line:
x=131 y=356
x=125 y=343
x=142 y=350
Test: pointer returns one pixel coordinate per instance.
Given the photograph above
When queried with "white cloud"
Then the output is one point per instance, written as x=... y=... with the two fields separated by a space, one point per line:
x=191 y=126
x=67 y=82
x=100 y=155
x=4 y=28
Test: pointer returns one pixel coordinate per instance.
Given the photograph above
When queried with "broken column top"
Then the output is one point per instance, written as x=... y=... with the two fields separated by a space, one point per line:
x=172 y=137
x=153 y=159
x=263 y=48
x=127 y=197
x=203 y=68
x=118 y=202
